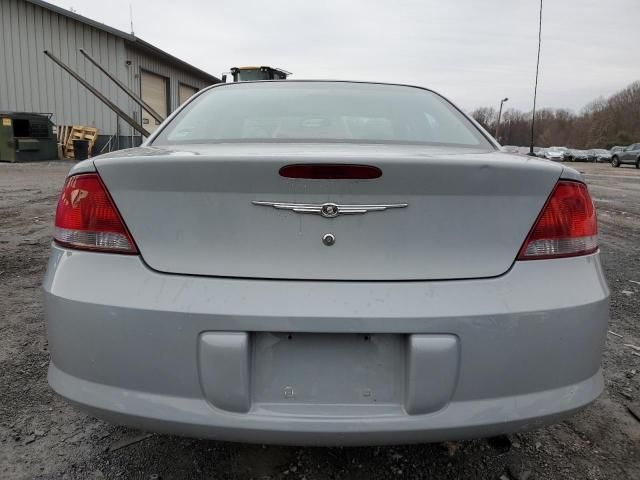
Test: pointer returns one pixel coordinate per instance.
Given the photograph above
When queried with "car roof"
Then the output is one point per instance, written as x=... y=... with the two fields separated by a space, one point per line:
x=319 y=80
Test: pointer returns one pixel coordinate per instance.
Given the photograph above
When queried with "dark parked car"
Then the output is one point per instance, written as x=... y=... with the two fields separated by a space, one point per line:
x=600 y=155
x=578 y=155
x=631 y=155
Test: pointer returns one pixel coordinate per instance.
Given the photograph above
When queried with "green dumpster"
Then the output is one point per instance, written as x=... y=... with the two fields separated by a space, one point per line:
x=27 y=136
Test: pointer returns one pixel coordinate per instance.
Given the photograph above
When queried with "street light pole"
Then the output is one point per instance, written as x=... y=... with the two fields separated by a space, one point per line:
x=505 y=99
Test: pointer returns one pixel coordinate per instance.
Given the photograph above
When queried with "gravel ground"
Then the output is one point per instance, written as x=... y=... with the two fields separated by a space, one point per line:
x=41 y=436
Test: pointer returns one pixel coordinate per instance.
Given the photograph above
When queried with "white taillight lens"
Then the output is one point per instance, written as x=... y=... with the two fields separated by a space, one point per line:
x=566 y=227
x=86 y=217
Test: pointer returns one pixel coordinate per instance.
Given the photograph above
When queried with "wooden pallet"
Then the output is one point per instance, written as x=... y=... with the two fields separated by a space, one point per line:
x=68 y=133
x=63 y=135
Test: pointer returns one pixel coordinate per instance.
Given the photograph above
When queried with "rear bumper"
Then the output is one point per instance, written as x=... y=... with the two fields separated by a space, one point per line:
x=193 y=356
x=195 y=417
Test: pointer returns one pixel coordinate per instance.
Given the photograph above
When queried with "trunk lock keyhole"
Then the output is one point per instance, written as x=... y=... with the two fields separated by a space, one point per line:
x=328 y=239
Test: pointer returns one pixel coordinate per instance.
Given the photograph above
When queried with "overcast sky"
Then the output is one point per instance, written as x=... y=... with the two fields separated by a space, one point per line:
x=473 y=51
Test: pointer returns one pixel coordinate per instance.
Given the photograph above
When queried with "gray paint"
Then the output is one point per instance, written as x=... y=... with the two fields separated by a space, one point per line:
x=529 y=352
x=224 y=363
x=471 y=210
x=430 y=389
x=347 y=372
x=31 y=82
x=211 y=357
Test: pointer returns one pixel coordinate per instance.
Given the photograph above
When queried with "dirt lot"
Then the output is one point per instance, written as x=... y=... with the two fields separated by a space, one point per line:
x=43 y=437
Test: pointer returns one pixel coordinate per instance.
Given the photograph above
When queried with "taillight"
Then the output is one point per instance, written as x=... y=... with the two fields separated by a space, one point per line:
x=567 y=226
x=87 y=218
x=330 y=171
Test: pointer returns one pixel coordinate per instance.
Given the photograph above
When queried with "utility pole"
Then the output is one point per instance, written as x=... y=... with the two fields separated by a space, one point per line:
x=131 y=18
x=505 y=99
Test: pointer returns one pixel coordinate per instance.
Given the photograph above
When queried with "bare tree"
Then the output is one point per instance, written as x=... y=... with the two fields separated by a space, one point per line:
x=603 y=123
x=486 y=116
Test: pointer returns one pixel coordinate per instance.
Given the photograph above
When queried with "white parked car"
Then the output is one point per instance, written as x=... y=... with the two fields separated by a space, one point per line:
x=555 y=153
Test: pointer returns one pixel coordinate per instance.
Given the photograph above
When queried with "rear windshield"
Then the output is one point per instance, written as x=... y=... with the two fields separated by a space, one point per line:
x=320 y=112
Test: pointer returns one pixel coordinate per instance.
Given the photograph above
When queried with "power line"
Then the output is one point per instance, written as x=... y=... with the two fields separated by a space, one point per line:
x=535 y=90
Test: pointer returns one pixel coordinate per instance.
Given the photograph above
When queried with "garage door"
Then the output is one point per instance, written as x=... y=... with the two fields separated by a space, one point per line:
x=154 y=92
x=185 y=92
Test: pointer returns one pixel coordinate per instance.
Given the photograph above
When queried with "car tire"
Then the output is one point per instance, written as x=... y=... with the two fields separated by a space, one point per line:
x=615 y=162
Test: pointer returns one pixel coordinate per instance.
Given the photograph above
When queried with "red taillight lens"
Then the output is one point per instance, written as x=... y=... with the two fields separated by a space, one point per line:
x=321 y=171
x=86 y=217
x=566 y=227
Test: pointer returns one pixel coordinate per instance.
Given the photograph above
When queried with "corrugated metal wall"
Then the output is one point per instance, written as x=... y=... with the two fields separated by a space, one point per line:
x=151 y=63
x=29 y=81
x=142 y=61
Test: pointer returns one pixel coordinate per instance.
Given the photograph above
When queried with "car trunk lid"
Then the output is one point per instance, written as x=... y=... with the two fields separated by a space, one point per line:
x=194 y=211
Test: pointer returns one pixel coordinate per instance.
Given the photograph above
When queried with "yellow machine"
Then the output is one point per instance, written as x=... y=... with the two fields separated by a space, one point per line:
x=247 y=74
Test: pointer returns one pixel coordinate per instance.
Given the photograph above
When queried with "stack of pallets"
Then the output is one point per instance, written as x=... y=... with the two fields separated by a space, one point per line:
x=68 y=133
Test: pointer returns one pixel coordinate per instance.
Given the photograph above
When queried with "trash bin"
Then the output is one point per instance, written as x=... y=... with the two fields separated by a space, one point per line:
x=81 y=149
x=26 y=136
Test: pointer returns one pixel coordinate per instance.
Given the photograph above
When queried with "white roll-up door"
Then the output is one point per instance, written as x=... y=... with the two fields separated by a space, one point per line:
x=155 y=93
x=185 y=92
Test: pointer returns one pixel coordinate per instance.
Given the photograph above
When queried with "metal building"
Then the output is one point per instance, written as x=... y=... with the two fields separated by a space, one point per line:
x=31 y=82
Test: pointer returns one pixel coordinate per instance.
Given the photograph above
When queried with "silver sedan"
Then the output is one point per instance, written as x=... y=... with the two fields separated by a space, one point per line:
x=325 y=263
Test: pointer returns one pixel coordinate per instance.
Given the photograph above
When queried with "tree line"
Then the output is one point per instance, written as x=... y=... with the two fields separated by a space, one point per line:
x=603 y=123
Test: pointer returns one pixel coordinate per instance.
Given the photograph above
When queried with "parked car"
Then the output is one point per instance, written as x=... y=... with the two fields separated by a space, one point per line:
x=295 y=274
x=600 y=155
x=578 y=155
x=555 y=153
x=630 y=155
x=540 y=152
x=510 y=148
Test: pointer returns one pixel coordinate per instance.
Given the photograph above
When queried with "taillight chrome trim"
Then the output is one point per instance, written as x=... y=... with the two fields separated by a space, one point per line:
x=571 y=247
x=97 y=241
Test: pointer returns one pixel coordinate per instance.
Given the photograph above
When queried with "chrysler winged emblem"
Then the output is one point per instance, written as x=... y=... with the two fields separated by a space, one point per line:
x=329 y=210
